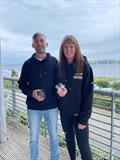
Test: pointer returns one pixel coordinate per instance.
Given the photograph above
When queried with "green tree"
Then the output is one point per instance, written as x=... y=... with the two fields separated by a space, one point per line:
x=14 y=73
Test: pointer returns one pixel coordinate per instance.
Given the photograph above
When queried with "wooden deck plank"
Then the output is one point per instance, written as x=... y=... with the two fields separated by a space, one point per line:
x=17 y=145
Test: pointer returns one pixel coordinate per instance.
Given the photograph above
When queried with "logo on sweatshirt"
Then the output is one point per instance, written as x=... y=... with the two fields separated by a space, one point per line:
x=78 y=76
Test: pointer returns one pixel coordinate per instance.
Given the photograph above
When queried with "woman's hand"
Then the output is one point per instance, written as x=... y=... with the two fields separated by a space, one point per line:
x=62 y=92
x=81 y=126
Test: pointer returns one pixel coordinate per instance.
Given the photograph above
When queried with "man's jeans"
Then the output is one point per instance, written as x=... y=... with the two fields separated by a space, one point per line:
x=51 y=118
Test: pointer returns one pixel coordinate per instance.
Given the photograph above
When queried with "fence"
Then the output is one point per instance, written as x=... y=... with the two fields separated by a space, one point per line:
x=104 y=122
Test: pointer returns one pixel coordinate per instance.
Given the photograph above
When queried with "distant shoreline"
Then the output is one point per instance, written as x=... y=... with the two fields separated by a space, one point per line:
x=99 y=69
x=105 y=62
x=13 y=66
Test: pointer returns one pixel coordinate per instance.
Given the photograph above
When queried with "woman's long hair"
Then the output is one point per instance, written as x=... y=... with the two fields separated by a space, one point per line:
x=78 y=60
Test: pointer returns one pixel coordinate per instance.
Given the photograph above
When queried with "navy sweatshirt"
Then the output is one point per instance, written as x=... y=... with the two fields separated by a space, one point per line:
x=40 y=75
x=79 y=98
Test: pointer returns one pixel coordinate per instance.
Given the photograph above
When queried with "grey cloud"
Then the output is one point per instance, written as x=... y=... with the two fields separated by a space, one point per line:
x=94 y=23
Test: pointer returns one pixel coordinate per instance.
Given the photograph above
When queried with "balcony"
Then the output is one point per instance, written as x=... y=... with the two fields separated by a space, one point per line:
x=104 y=127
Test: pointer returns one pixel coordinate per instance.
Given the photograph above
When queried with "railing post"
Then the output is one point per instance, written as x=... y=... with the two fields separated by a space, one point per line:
x=14 y=97
x=3 y=127
x=112 y=127
x=45 y=133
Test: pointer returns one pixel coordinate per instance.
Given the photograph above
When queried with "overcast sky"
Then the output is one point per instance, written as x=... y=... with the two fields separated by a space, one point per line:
x=95 y=23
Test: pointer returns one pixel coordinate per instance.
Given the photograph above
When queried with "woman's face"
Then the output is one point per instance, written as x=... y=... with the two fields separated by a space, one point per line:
x=69 y=51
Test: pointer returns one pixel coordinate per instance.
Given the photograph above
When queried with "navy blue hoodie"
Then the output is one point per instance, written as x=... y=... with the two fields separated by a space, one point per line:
x=79 y=98
x=40 y=75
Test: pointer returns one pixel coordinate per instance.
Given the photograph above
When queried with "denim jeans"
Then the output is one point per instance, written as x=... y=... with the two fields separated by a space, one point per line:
x=51 y=118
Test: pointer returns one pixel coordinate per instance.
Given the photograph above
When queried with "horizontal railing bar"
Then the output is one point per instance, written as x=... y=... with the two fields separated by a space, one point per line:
x=101 y=121
x=100 y=142
x=101 y=114
x=99 y=128
x=107 y=93
x=100 y=135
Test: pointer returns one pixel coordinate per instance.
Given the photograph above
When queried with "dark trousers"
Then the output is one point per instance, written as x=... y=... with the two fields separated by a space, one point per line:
x=69 y=124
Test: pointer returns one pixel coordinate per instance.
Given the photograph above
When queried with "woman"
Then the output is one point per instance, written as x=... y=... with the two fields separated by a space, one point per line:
x=76 y=97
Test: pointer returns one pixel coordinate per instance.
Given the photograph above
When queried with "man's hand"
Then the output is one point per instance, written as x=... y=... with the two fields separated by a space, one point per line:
x=36 y=96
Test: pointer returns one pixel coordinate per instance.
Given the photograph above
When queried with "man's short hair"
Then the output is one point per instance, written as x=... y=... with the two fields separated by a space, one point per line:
x=37 y=34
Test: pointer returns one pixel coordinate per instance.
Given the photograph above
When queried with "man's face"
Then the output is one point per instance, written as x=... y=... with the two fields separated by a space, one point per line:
x=40 y=44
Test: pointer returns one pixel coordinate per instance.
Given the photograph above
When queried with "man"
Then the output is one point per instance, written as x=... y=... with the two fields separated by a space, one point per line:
x=38 y=79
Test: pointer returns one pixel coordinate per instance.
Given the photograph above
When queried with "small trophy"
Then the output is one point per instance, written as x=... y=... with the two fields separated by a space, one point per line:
x=60 y=86
x=41 y=92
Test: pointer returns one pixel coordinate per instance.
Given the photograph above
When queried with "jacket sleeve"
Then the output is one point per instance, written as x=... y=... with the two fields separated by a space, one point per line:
x=24 y=81
x=87 y=95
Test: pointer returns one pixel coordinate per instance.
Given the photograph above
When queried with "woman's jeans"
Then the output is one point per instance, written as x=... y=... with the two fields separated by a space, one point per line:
x=51 y=118
x=71 y=130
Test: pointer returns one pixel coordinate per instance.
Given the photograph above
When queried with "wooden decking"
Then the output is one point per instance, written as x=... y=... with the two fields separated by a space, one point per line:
x=17 y=145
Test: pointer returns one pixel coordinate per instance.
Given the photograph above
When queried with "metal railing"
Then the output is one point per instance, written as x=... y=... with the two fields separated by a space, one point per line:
x=104 y=122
